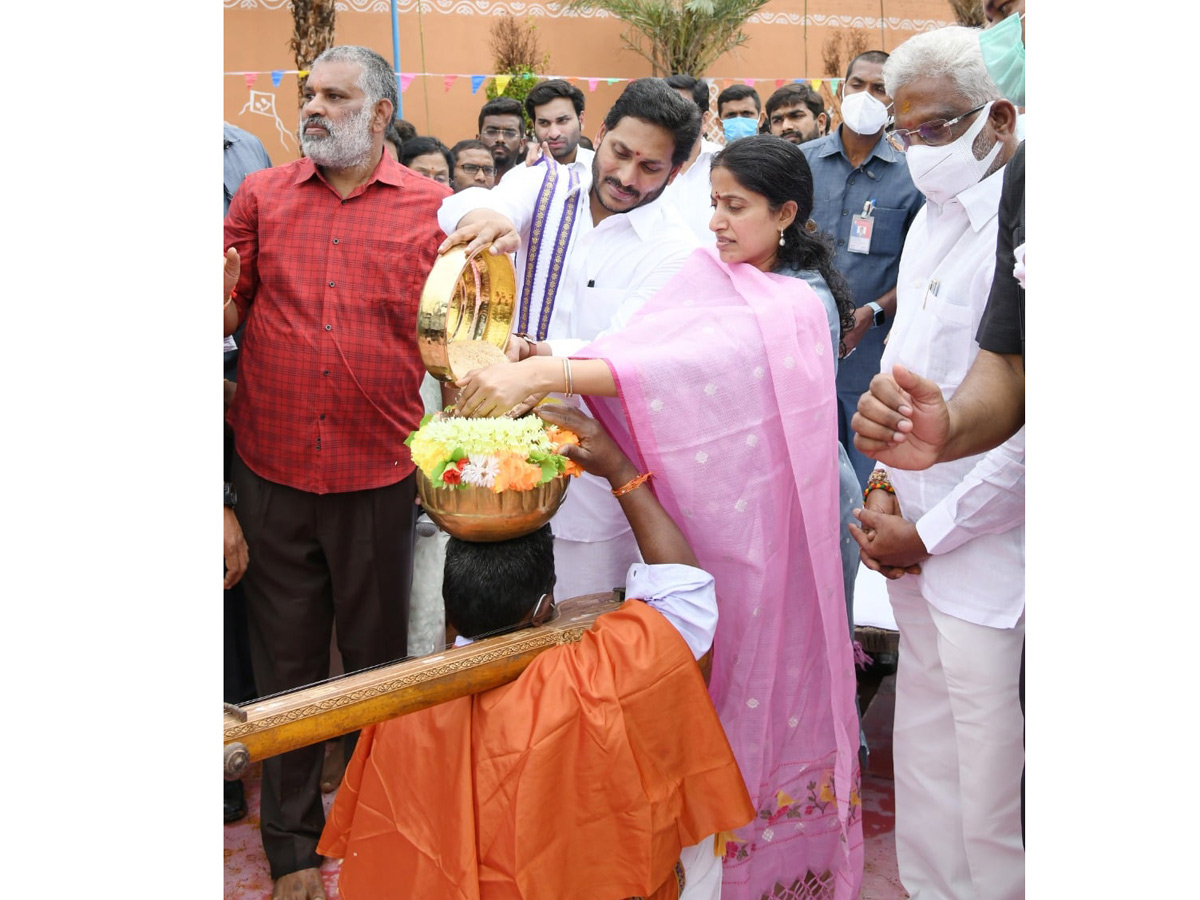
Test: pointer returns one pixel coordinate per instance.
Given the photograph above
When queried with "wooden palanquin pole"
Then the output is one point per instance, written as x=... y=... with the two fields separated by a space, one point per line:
x=298 y=718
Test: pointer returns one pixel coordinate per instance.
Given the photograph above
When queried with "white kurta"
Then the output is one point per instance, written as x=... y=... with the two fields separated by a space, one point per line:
x=970 y=512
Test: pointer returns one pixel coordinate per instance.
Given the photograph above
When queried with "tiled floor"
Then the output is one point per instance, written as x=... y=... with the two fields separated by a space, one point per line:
x=247 y=878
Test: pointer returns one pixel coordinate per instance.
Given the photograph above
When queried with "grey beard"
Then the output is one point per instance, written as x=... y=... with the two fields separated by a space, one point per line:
x=346 y=147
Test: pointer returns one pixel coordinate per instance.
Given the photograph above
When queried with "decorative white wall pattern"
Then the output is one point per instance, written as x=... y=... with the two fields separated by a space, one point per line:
x=555 y=10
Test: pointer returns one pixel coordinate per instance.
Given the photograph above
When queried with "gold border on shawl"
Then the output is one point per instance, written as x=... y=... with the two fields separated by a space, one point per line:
x=556 y=262
x=536 y=231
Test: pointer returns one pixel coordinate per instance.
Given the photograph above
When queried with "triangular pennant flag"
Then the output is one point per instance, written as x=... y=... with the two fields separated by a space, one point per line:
x=251 y=77
x=779 y=82
x=405 y=80
x=748 y=82
x=501 y=83
x=477 y=82
x=816 y=82
x=614 y=80
x=303 y=73
x=833 y=84
x=449 y=80
x=797 y=80
x=592 y=82
x=276 y=76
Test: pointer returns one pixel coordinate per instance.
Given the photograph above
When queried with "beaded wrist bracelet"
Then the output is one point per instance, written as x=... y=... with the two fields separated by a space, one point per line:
x=631 y=484
x=878 y=481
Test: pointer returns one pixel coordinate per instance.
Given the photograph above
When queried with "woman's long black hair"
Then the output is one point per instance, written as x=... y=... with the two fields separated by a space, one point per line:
x=777 y=170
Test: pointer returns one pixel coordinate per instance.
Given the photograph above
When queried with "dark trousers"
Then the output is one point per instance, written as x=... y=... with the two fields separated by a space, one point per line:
x=317 y=559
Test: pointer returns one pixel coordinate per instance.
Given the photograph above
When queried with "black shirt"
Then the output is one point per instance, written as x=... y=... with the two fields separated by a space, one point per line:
x=1002 y=329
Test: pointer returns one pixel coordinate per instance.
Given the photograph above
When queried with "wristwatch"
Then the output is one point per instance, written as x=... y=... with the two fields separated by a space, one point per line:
x=880 y=315
x=230 y=496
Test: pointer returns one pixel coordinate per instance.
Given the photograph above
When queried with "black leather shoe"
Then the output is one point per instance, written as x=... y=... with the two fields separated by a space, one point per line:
x=235 y=801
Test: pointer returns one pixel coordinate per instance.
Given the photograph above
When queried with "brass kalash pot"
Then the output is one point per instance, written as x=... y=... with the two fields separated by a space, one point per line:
x=465 y=317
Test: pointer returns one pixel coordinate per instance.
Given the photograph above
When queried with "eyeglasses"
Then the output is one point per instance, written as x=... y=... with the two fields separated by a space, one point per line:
x=472 y=169
x=507 y=133
x=933 y=133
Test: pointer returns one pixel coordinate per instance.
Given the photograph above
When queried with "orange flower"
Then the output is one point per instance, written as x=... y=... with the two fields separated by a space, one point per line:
x=560 y=437
x=516 y=475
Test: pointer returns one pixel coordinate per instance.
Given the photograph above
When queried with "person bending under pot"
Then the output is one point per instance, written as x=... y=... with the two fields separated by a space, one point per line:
x=601 y=772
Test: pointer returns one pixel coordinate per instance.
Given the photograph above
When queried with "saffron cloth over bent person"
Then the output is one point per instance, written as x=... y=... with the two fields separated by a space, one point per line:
x=601 y=773
x=723 y=386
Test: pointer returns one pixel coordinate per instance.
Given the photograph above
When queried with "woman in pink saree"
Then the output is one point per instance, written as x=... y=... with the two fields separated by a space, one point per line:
x=723 y=386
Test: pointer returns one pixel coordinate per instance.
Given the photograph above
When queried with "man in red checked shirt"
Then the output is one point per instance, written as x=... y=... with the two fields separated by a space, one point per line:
x=334 y=250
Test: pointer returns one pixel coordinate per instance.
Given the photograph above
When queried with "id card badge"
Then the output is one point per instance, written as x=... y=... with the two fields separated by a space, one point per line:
x=860 y=234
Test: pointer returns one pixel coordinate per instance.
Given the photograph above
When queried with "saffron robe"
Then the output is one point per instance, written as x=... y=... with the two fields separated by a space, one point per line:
x=584 y=778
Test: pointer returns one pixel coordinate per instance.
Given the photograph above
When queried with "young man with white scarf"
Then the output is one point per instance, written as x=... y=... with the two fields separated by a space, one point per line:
x=958 y=731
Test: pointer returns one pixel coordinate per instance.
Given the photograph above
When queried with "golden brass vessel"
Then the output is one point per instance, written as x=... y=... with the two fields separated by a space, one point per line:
x=464 y=299
x=477 y=514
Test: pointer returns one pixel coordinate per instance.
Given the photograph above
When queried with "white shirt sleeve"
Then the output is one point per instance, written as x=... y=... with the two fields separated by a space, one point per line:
x=989 y=500
x=686 y=595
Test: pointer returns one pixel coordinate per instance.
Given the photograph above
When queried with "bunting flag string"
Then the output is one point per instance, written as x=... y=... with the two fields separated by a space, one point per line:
x=501 y=81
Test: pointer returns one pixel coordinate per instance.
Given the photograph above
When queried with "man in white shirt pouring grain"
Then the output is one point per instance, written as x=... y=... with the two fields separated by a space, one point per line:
x=591 y=248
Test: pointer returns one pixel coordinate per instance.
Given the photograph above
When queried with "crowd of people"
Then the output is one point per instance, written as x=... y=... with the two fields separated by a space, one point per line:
x=788 y=354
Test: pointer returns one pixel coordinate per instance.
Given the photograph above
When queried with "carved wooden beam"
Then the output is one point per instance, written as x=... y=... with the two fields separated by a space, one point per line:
x=274 y=725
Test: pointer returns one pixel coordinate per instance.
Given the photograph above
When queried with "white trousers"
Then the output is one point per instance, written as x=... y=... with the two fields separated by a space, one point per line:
x=958 y=750
x=589 y=567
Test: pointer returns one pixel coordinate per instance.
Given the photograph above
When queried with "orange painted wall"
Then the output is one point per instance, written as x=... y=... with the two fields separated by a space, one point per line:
x=451 y=37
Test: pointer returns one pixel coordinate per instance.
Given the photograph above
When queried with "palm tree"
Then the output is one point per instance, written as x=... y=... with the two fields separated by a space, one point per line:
x=679 y=36
x=312 y=34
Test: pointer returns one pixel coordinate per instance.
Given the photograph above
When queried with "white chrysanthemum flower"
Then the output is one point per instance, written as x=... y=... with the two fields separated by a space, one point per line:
x=481 y=471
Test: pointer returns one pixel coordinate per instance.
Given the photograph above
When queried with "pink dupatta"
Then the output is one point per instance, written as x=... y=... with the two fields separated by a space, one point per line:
x=726 y=382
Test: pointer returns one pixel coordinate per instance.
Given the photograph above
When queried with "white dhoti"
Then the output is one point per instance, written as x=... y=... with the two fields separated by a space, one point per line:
x=702 y=868
x=958 y=749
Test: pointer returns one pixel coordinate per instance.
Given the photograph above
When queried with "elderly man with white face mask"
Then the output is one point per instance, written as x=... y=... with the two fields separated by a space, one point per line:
x=958 y=730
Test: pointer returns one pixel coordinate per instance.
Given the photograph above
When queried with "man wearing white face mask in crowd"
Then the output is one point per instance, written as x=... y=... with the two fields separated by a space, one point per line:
x=864 y=199
x=958 y=750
